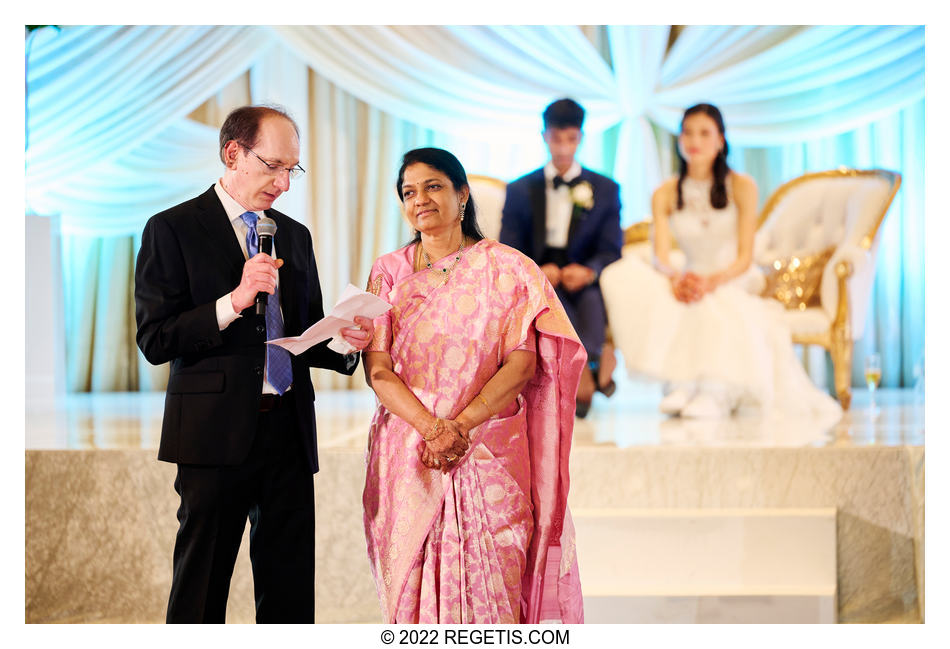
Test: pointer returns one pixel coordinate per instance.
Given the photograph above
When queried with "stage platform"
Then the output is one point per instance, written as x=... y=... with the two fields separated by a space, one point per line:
x=677 y=521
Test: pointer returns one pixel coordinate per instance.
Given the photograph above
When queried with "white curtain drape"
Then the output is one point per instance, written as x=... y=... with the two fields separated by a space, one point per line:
x=637 y=55
x=94 y=93
x=180 y=162
x=491 y=78
x=109 y=141
x=779 y=85
x=97 y=92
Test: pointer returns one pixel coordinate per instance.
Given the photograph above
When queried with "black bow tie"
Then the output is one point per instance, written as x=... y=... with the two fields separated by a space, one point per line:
x=558 y=181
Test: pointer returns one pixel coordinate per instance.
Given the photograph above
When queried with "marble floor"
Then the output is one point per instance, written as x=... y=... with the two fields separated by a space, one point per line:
x=631 y=467
x=629 y=419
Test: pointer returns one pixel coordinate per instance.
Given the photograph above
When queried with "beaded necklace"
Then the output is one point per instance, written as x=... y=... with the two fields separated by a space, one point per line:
x=443 y=272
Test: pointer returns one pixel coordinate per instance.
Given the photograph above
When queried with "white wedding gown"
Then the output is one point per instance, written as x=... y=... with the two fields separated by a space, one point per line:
x=731 y=337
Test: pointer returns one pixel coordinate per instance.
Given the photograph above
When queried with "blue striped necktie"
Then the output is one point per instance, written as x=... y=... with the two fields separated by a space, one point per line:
x=279 y=373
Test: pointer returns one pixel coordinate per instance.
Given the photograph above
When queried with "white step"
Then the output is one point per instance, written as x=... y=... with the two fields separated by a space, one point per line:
x=707 y=565
x=712 y=609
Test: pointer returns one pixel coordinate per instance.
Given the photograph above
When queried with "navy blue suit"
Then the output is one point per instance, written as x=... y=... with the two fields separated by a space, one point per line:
x=594 y=240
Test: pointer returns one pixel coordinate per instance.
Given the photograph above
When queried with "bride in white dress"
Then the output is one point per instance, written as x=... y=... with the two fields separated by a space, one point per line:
x=718 y=346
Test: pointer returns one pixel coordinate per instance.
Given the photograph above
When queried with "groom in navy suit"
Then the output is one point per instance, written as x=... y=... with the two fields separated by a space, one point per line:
x=567 y=219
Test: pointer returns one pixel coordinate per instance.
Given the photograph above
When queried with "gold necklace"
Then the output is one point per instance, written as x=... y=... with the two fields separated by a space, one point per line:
x=443 y=272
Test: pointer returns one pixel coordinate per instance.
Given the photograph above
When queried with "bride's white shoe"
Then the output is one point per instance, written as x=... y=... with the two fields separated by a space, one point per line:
x=676 y=400
x=705 y=406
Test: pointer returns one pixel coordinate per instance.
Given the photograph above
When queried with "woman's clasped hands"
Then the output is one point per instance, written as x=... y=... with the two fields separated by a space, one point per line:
x=446 y=441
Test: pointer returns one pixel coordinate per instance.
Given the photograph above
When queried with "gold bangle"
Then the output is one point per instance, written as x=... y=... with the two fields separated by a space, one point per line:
x=485 y=401
x=435 y=430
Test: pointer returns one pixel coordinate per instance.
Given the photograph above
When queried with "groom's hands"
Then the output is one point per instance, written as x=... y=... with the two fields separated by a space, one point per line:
x=553 y=273
x=574 y=277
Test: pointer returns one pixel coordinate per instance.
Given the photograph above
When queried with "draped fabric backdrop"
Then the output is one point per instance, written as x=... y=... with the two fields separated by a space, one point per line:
x=122 y=123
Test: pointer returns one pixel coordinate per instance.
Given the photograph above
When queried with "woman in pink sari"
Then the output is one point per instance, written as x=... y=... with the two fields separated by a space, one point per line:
x=476 y=370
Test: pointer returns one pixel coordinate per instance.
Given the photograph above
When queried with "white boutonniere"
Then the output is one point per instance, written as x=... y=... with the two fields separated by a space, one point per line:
x=582 y=195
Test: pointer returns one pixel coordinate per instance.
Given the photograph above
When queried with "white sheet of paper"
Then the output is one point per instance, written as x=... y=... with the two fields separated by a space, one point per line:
x=354 y=302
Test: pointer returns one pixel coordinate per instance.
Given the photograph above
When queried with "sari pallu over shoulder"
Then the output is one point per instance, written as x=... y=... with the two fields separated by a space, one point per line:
x=402 y=498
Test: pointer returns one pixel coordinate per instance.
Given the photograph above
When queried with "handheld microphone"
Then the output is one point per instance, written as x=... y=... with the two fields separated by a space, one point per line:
x=266 y=228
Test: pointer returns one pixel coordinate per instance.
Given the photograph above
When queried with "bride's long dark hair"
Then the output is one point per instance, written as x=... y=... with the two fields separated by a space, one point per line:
x=717 y=195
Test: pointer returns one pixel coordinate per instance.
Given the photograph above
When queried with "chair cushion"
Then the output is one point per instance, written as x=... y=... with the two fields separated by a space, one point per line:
x=795 y=280
x=811 y=321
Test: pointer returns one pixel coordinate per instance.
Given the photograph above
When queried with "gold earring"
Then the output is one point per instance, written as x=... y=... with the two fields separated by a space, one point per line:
x=461 y=211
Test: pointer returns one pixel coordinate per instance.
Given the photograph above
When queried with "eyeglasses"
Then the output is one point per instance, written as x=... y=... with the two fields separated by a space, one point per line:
x=274 y=170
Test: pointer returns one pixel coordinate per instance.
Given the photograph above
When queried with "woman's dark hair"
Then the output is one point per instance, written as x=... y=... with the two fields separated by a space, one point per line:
x=443 y=161
x=717 y=195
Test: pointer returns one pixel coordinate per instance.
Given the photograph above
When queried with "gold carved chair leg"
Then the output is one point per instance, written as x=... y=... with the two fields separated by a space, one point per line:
x=842 y=345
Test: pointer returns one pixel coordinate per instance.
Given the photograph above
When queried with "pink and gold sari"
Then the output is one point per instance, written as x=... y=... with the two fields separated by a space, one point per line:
x=492 y=540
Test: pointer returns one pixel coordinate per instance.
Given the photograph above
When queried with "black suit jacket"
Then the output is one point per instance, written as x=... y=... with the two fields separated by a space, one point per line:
x=594 y=239
x=188 y=259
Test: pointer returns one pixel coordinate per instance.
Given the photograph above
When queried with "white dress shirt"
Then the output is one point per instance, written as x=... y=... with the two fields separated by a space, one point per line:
x=223 y=308
x=558 y=205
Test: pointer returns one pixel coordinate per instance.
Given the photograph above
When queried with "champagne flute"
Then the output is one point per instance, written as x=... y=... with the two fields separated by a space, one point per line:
x=872 y=375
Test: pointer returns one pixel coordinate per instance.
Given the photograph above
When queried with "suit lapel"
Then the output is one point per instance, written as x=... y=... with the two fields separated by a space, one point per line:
x=215 y=222
x=539 y=213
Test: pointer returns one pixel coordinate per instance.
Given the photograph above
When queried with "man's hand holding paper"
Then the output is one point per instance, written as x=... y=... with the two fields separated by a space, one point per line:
x=349 y=323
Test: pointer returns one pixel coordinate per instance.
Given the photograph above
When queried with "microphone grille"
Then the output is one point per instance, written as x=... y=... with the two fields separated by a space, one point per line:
x=266 y=227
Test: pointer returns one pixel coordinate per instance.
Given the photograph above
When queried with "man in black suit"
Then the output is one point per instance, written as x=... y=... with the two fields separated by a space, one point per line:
x=239 y=414
x=567 y=219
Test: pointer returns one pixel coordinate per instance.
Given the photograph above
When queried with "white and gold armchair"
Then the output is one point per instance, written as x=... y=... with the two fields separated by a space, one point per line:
x=489 y=195
x=829 y=220
x=816 y=244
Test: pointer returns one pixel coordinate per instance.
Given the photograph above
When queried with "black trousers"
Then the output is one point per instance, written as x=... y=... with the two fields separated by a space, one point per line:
x=274 y=488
